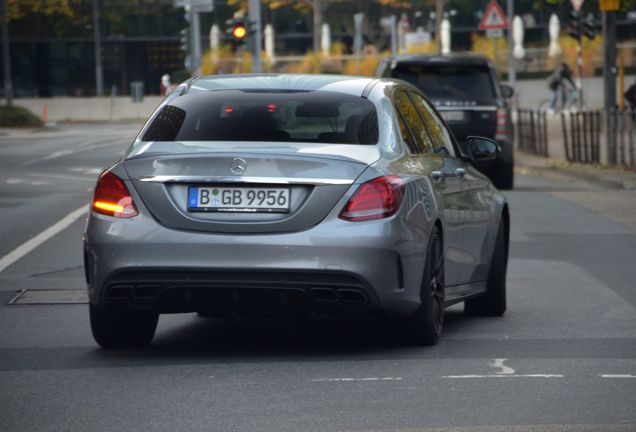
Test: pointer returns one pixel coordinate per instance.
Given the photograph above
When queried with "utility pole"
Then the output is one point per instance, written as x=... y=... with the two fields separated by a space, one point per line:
x=99 y=78
x=609 y=78
x=439 y=14
x=394 y=38
x=512 y=71
x=6 y=57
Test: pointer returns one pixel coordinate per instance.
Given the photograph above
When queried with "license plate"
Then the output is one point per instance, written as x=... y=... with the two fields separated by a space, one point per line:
x=453 y=116
x=239 y=199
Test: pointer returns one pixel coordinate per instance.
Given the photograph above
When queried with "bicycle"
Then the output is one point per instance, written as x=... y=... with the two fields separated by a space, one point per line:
x=572 y=96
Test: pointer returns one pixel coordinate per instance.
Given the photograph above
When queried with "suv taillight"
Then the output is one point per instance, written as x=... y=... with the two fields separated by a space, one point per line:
x=502 y=121
x=375 y=199
x=112 y=197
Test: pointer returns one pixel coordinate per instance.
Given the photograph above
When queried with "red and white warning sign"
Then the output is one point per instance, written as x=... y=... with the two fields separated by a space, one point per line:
x=576 y=4
x=494 y=18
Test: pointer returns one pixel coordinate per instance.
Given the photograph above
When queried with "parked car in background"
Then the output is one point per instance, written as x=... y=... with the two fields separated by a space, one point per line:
x=465 y=91
x=312 y=193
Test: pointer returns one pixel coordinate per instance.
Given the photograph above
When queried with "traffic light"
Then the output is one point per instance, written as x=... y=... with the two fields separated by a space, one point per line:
x=574 y=28
x=589 y=26
x=239 y=29
x=184 y=39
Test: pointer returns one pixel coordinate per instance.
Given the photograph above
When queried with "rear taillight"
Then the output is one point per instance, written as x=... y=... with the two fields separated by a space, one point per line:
x=112 y=197
x=502 y=121
x=375 y=199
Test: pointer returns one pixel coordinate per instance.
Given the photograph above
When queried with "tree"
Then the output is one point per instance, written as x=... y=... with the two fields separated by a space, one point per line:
x=19 y=8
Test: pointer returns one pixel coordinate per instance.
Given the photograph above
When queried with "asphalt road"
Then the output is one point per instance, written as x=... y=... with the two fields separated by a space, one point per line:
x=563 y=358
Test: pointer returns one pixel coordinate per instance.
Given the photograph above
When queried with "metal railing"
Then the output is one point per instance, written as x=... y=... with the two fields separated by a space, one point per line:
x=582 y=136
x=623 y=137
x=532 y=132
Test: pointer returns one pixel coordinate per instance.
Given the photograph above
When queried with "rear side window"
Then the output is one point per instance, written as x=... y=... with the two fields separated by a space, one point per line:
x=237 y=115
x=413 y=122
x=433 y=124
x=448 y=82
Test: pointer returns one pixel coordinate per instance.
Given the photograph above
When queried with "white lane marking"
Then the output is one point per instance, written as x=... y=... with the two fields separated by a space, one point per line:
x=357 y=379
x=504 y=370
x=86 y=170
x=63 y=177
x=36 y=241
x=13 y=181
x=67 y=152
x=618 y=376
x=505 y=376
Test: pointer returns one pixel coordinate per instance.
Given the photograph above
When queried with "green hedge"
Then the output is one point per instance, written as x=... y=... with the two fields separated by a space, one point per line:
x=18 y=117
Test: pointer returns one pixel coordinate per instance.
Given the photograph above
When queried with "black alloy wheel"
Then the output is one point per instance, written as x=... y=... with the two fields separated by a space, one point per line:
x=493 y=301
x=425 y=326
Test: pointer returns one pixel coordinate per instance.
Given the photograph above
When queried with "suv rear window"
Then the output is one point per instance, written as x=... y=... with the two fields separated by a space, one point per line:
x=240 y=115
x=439 y=82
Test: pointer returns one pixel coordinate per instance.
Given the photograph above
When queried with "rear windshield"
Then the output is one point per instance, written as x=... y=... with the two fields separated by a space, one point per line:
x=239 y=115
x=441 y=82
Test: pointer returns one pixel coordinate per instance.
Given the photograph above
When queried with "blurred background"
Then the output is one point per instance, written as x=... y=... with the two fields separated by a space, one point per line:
x=53 y=42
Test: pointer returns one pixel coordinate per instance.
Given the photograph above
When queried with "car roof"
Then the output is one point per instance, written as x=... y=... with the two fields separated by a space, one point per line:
x=301 y=82
x=456 y=58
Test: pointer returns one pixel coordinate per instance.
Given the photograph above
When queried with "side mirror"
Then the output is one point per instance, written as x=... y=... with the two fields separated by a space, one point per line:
x=506 y=91
x=482 y=149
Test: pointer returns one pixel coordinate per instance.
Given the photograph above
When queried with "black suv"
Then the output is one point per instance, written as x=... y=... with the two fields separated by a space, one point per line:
x=465 y=91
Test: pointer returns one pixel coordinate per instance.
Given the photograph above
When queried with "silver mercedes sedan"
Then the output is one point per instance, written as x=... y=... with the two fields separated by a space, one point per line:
x=295 y=193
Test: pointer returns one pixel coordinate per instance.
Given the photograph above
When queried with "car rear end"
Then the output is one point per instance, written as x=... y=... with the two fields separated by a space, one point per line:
x=251 y=201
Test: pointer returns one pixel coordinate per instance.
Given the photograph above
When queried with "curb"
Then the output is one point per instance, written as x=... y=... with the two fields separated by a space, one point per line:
x=573 y=174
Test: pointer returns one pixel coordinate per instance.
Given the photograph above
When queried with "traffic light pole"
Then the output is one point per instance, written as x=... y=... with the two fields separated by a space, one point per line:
x=254 y=15
x=195 y=27
x=609 y=80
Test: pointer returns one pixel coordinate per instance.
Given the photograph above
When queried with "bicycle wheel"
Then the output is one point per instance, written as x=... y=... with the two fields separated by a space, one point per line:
x=544 y=105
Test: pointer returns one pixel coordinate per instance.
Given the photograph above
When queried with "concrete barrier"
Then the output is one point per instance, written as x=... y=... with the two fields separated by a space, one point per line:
x=90 y=108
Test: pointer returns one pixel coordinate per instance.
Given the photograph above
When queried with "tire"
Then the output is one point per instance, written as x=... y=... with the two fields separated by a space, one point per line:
x=122 y=329
x=425 y=326
x=493 y=302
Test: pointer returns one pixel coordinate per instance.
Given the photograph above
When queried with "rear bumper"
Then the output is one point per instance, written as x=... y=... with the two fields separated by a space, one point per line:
x=172 y=290
x=336 y=266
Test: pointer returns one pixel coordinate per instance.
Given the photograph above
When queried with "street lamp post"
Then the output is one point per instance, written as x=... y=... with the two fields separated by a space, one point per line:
x=609 y=79
x=6 y=58
x=99 y=79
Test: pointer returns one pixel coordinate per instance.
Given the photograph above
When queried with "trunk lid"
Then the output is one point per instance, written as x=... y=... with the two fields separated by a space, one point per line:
x=315 y=176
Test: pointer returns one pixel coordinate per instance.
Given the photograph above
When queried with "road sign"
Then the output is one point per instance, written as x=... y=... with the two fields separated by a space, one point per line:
x=197 y=6
x=494 y=18
x=494 y=33
x=576 y=4
x=609 y=5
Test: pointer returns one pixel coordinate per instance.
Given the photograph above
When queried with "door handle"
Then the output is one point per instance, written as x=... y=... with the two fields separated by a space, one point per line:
x=437 y=175
x=460 y=172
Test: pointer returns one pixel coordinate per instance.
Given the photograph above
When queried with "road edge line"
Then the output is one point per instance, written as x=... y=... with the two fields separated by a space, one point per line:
x=30 y=245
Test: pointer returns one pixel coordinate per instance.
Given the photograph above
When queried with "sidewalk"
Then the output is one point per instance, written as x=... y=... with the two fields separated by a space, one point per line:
x=58 y=129
x=617 y=178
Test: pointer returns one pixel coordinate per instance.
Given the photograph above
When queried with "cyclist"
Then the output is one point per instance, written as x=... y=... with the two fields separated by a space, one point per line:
x=557 y=82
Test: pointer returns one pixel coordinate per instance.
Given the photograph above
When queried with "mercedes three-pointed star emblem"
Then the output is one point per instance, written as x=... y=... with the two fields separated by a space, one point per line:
x=238 y=166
